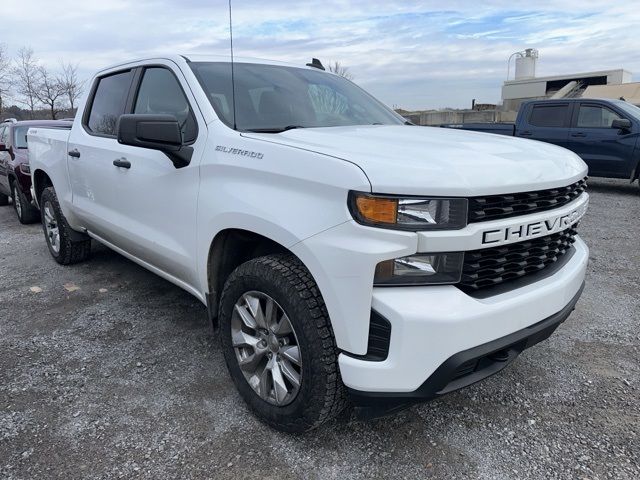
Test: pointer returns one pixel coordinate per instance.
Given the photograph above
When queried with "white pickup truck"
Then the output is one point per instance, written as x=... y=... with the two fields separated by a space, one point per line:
x=342 y=253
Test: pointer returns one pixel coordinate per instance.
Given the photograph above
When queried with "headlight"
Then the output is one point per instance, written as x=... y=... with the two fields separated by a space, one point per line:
x=421 y=269
x=25 y=168
x=408 y=213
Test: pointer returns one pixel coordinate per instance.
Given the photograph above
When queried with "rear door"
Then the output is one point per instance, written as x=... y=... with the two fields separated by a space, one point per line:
x=92 y=149
x=148 y=209
x=607 y=151
x=547 y=121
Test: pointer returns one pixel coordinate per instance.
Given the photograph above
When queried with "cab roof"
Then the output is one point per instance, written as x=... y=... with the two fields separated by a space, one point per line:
x=196 y=57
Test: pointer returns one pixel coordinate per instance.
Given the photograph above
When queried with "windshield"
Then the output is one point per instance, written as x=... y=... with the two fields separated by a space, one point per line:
x=20 y=137
x=274 y=98
x=630 y=109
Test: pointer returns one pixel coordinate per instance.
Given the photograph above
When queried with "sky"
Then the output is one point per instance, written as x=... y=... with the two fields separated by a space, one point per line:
x=409 y=54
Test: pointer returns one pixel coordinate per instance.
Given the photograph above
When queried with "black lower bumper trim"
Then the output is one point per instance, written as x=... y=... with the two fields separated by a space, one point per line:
x=464 y=368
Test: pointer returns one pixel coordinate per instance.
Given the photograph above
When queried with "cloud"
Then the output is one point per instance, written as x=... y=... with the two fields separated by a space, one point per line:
x=414 y=54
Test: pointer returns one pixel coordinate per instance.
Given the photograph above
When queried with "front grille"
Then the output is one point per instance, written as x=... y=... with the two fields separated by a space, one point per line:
x=514 y=204
x=493 y=266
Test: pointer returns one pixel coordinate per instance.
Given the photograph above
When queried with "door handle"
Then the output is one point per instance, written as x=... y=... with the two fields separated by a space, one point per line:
x=525 y=134
x=74 y=153
x=579 y=135
x=122 y=163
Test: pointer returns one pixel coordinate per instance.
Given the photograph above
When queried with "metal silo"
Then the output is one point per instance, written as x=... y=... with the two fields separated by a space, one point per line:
x=526 y=64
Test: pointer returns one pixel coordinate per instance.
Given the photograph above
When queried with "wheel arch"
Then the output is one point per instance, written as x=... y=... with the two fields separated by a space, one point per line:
x=229 y=249
x=40 y=181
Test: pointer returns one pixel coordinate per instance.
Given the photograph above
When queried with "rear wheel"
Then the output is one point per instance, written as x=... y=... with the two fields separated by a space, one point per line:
x=278 y=344
x=26 y=212
x=65 y=245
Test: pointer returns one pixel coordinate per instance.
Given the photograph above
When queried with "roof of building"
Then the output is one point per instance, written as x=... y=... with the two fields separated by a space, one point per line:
x=629 y=91
x=569 y=76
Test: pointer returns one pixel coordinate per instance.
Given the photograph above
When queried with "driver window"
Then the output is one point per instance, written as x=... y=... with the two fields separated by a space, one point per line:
x=592 y=116
x=160 y=93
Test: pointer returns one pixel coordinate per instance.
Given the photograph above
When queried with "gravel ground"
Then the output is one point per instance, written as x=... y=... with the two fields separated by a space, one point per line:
x=107 y=371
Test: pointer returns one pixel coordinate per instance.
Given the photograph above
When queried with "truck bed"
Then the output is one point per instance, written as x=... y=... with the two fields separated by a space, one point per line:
x=48 y=152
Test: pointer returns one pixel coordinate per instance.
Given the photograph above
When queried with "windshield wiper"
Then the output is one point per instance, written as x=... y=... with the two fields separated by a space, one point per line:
x=274 y=130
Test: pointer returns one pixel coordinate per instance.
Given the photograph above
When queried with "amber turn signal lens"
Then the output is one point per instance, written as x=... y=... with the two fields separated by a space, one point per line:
x=377 y=209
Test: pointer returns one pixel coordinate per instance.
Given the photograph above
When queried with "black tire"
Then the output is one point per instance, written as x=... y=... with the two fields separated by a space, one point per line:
x=26 y=212
x=4 y=200
x=73 y=246
x=322 y=395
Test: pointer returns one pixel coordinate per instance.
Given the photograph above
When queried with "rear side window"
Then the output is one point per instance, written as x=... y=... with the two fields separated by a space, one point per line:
x=109 y=103
x=594 y=116
x=549 y=116
x=161 y=93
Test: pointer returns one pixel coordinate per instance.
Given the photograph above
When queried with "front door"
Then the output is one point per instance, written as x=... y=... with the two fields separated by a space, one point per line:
x=148 y=209
x=607 y=151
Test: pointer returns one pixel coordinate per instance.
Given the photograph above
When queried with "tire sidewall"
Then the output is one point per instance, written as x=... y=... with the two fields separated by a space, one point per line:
x=255 y=278
x=28 y=214
x=49 y=197
x=15 y=196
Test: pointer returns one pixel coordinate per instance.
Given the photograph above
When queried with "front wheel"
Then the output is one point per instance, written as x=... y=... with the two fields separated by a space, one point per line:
x=278 y=344
x=64 y=248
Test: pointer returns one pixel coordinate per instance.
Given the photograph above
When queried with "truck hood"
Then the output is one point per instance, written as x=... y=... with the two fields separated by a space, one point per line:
x=415 y=160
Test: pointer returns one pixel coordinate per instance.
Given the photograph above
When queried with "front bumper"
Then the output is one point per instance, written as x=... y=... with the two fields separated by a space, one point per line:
x=464 y=368
x=436 y=329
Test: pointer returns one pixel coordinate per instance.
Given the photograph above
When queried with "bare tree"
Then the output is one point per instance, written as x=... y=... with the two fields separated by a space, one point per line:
x=326 y=100
x=73 y=87
x=50 y=91
x=5 y=76
x=339 y=69
x=27 y=77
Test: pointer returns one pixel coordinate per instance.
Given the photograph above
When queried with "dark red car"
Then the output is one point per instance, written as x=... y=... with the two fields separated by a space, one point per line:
x=15 y=175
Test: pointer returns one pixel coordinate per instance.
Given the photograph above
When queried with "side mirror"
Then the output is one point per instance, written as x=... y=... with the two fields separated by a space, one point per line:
x=155 y=132
x=621 y=124
x=3 y=147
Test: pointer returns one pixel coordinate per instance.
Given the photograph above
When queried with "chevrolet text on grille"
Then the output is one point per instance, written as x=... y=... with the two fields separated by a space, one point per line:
x=516 y=233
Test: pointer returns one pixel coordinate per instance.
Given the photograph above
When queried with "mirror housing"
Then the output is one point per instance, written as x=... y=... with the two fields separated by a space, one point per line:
x=621 y=124
x=3 y=147
x=155 y=132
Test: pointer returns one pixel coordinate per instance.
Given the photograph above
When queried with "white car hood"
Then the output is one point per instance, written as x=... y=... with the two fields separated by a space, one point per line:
x=415 y=160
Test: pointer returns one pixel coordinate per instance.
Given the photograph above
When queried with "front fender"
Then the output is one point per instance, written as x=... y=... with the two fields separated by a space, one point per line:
x=342 y=261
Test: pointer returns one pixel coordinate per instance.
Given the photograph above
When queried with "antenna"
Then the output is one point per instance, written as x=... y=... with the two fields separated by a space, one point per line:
x=315 y=63
x=233 y=80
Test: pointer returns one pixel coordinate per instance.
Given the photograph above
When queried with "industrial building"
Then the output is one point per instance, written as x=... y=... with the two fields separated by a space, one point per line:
x=525 y=85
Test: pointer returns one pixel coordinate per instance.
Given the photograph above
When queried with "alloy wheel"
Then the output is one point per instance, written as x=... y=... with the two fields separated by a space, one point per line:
x=51 y=227
x=266 y=348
